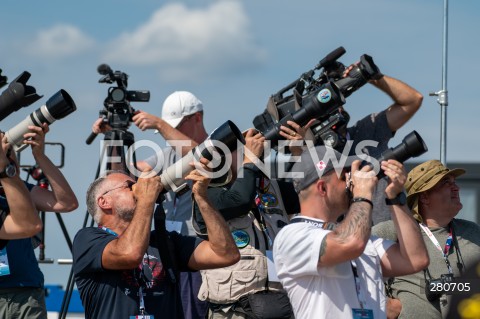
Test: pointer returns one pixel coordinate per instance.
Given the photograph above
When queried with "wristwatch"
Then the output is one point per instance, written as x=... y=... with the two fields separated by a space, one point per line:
x=9 y=171
x=400 y=200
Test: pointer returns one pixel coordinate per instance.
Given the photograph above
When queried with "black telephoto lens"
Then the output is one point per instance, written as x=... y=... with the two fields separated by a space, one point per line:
x=17 y=95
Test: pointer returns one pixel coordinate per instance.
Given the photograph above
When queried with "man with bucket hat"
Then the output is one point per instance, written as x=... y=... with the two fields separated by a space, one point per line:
x=453 y=244
x=335 y=270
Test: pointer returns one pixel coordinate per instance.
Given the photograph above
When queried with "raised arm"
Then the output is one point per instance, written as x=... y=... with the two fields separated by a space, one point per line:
x=220 y=249
x=409 y=255
x=348 y=240
x=146 y=120
x=406 y=100
x=61 y=197
x=238 y=199
x=23 y=220
x=127 y=251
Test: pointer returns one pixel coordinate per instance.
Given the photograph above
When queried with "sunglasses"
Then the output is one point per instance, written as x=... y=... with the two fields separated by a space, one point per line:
x=127 y=184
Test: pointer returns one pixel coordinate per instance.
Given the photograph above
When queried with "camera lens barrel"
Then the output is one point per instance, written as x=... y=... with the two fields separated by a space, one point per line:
x=228 y=134
x=57 y=107
x=412 y=146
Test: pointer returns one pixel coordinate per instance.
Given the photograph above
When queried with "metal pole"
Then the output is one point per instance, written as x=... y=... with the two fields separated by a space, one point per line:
x=443 y=93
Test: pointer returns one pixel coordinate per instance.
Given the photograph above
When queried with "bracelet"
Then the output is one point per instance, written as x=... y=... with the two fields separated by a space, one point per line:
x=361 y=199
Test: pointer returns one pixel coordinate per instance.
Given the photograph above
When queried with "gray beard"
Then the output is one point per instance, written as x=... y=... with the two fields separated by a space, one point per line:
x=125 y=214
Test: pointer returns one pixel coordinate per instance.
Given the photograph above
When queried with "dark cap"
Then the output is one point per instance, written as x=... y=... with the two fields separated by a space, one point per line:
x=316 y=162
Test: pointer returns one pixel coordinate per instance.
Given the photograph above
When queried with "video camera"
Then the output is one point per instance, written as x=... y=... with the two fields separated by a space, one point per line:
x=117 y=110
x=317 y=98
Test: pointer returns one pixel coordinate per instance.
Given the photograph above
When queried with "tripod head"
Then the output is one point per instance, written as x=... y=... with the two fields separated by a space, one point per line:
x=37 y=174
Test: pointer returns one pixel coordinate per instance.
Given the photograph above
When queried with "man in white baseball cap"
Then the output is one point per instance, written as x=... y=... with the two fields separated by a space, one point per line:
x=182 y=119
x=178 y=105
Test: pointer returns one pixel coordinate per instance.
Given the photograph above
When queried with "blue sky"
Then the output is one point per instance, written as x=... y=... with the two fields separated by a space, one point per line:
x=233 y=55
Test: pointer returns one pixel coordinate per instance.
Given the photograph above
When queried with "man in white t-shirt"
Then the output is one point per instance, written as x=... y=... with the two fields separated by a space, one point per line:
x=335 y=270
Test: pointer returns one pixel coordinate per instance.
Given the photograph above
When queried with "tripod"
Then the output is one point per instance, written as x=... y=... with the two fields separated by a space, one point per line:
x=118 y=139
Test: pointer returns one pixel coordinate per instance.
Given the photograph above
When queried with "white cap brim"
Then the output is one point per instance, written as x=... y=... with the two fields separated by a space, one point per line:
x=172 y=122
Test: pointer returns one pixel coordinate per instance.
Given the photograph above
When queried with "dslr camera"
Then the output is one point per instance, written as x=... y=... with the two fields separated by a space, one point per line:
x=118 y=112
x=18 y=95
x=320 y=98
x=432 y=290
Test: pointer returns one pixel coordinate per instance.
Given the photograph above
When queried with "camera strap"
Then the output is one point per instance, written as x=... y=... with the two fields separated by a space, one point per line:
x=435 y=242
x=460 y=262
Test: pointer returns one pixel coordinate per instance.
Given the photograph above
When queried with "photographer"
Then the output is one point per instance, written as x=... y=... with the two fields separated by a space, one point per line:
x=255 y=211
x=21 y=292
x=453 y=244
x=117 y=266
x=181 y=125
x=19 y=219
x=381 y=127
x=338 y=273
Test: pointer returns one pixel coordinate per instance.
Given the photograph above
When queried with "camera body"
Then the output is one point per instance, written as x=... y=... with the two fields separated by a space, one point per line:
x=433 y=294
x=319 y=98
x=118 y=112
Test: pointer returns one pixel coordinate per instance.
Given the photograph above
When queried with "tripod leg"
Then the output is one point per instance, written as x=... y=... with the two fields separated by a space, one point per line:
x=67 y=296
x=64 y=230
x=41 y=246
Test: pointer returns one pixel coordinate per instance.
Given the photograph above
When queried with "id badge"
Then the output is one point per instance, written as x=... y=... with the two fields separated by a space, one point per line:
x=272 y=271
x=142 y=317
x=4 y=268
x=362 y=313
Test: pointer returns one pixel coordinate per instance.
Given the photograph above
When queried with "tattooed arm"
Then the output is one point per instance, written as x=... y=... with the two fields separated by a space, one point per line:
x=350 y=237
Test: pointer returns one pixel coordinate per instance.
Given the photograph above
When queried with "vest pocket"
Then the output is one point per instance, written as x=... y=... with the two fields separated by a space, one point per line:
x=242 y=281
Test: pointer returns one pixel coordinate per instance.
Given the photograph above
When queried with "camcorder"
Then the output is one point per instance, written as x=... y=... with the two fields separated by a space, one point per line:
x=117 y=110
x=19 y=94
x=320 y=98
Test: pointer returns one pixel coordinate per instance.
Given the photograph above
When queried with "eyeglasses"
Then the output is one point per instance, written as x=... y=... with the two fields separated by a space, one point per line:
x=127 y=184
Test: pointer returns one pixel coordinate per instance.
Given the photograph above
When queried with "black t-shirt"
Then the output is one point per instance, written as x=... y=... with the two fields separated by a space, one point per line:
x=114 y=293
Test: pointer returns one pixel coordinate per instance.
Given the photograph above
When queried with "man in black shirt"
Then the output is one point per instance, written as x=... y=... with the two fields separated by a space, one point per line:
x=118 y=268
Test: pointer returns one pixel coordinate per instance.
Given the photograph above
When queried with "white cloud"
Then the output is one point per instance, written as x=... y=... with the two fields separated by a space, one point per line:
x=60 y=41
x=183 y=40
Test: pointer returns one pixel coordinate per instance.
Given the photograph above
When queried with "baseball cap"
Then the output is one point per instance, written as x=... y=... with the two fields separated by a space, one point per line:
x=178 y=105
x=316 y=162
x=424 y=177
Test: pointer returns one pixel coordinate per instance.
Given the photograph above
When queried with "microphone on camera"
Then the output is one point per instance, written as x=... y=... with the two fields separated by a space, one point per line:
x=104 y=69
x=331 y=57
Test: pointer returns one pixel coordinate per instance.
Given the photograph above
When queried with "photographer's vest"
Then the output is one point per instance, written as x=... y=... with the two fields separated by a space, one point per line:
x=253 y=236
